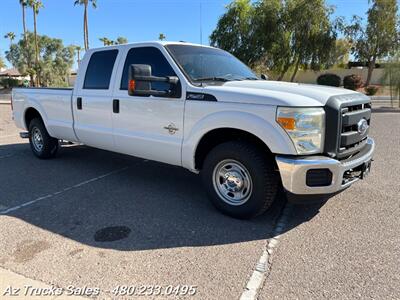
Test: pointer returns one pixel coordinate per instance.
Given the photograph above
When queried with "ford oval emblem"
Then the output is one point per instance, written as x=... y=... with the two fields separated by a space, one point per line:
x=362 y=126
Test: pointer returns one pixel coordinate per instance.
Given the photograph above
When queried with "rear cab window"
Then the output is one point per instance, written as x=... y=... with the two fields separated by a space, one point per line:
x=99 y=70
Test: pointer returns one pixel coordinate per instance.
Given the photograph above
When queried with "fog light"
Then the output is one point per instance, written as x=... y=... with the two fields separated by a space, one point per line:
x=318 y=177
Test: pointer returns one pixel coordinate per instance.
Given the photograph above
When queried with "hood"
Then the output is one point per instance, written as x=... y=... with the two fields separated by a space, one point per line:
x=277 y=93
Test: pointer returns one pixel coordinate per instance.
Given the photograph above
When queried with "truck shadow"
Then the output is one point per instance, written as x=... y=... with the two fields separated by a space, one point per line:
x=146 y=206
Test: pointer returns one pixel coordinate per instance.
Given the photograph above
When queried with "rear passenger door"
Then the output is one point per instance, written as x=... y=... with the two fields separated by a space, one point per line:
x=92 y=101
x=141 y=125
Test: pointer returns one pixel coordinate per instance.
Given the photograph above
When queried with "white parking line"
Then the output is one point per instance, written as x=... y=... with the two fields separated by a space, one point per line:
x=11 y=209
x=6 y=156
x=263 y=266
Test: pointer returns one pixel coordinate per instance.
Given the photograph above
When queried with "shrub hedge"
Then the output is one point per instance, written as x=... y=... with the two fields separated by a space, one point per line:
x=371 y=90
x=352 y=82
x=329 y=79
x=9 y=82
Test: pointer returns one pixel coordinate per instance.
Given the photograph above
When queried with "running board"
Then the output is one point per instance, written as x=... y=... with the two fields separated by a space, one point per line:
x=24 y=135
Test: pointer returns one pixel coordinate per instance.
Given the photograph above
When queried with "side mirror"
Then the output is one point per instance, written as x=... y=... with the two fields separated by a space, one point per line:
x=140 y=80
x=264 y=77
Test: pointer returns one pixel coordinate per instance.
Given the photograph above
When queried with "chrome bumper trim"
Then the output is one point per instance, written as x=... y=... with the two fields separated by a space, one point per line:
x=293 y=171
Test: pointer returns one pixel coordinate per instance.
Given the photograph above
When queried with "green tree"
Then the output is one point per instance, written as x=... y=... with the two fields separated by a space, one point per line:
x=379 y=38
x=55 y=60
x=278 y=34
x=121 y=40
x=340 y=54
x=312 y=34
x=234 y=31
x=162 y=37
x=85 y=4
x=10 y=36
x=270 y=46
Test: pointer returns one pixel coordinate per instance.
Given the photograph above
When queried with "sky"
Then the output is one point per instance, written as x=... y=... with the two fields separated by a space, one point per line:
x=137 y=20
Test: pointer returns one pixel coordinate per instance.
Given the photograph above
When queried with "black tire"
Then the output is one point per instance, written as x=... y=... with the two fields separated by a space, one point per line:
x=49 y=144
x=257 y=164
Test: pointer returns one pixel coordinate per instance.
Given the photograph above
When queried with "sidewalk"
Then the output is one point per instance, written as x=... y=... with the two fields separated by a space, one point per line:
x=15 y=286
x=5 y=98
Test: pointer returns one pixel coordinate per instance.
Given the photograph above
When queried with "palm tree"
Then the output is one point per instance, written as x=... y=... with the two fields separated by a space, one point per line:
x=78 y=51
x=85 y=3
x=107 y=41
x=103 y=40
x=121 y=40
x=162 y=37
x=23 y=3
x=2 y=63
x=36 y=5
x=11 y=36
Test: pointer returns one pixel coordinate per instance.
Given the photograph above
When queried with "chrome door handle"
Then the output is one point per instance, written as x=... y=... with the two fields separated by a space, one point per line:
x=171 y=128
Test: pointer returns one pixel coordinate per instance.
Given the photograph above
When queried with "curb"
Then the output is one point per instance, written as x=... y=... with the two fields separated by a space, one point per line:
x=382 y=98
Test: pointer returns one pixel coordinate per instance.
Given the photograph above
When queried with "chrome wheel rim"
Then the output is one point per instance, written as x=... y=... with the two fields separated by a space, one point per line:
x=37 y=139
x=232 y=182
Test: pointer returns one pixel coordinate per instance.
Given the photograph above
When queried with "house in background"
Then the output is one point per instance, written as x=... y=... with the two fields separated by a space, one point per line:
x=72 y=77
x=11 y=73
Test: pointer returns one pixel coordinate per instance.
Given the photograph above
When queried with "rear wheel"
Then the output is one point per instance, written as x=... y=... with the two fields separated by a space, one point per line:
x=42 y=144
x=240 y=179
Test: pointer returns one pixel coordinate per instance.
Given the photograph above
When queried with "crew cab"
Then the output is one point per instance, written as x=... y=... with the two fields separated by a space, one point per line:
x=200 y=108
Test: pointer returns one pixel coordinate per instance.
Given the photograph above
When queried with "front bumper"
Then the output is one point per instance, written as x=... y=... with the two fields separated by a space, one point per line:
x=294 y=170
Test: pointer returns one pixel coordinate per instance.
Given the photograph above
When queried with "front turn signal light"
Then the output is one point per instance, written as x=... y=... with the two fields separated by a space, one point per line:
x=132 y=85
x=287 y=123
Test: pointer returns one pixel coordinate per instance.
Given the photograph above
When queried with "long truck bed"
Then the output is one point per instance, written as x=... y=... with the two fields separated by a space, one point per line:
x=54 y=106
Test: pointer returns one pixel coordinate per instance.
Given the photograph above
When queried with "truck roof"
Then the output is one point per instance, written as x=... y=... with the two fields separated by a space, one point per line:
x=149 y=43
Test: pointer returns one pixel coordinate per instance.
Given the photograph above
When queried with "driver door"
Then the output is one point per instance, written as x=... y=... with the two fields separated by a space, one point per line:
x=148 y=127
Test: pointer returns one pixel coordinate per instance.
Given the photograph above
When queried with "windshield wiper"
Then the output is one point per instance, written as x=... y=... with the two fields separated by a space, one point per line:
x=212 y=79
x=224 y=79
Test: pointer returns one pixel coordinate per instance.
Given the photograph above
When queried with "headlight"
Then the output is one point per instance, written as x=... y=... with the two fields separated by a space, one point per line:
x=305 y=126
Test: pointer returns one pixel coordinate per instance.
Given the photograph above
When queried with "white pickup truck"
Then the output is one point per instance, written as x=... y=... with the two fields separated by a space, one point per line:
x=200 y=108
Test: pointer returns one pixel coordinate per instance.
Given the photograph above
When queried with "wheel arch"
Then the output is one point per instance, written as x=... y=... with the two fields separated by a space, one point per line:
x=236 y=124
x=30 y=114
x=221 y=135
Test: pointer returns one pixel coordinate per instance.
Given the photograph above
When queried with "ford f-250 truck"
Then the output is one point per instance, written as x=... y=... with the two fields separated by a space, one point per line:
x=201 y=108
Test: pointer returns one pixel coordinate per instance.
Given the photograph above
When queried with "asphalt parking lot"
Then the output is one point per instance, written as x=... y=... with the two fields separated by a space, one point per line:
x=52 y=214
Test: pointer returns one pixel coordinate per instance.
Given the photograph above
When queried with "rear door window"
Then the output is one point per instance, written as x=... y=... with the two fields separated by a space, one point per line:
x=99 y=70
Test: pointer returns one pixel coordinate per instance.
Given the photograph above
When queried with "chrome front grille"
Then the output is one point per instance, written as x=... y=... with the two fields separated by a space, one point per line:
x=343 y=112
x=351 y=139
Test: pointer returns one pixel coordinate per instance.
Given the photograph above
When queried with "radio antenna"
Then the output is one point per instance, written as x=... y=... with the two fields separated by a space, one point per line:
x=201 y=23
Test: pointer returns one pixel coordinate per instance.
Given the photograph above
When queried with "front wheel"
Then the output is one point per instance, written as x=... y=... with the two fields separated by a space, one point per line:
x=240 y=179
x=42 y=144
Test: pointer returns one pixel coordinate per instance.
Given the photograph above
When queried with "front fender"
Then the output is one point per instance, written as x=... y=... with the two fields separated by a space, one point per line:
x=270 y=133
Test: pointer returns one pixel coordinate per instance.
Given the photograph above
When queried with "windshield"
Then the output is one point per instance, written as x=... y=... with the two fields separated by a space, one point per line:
x=209 y=64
